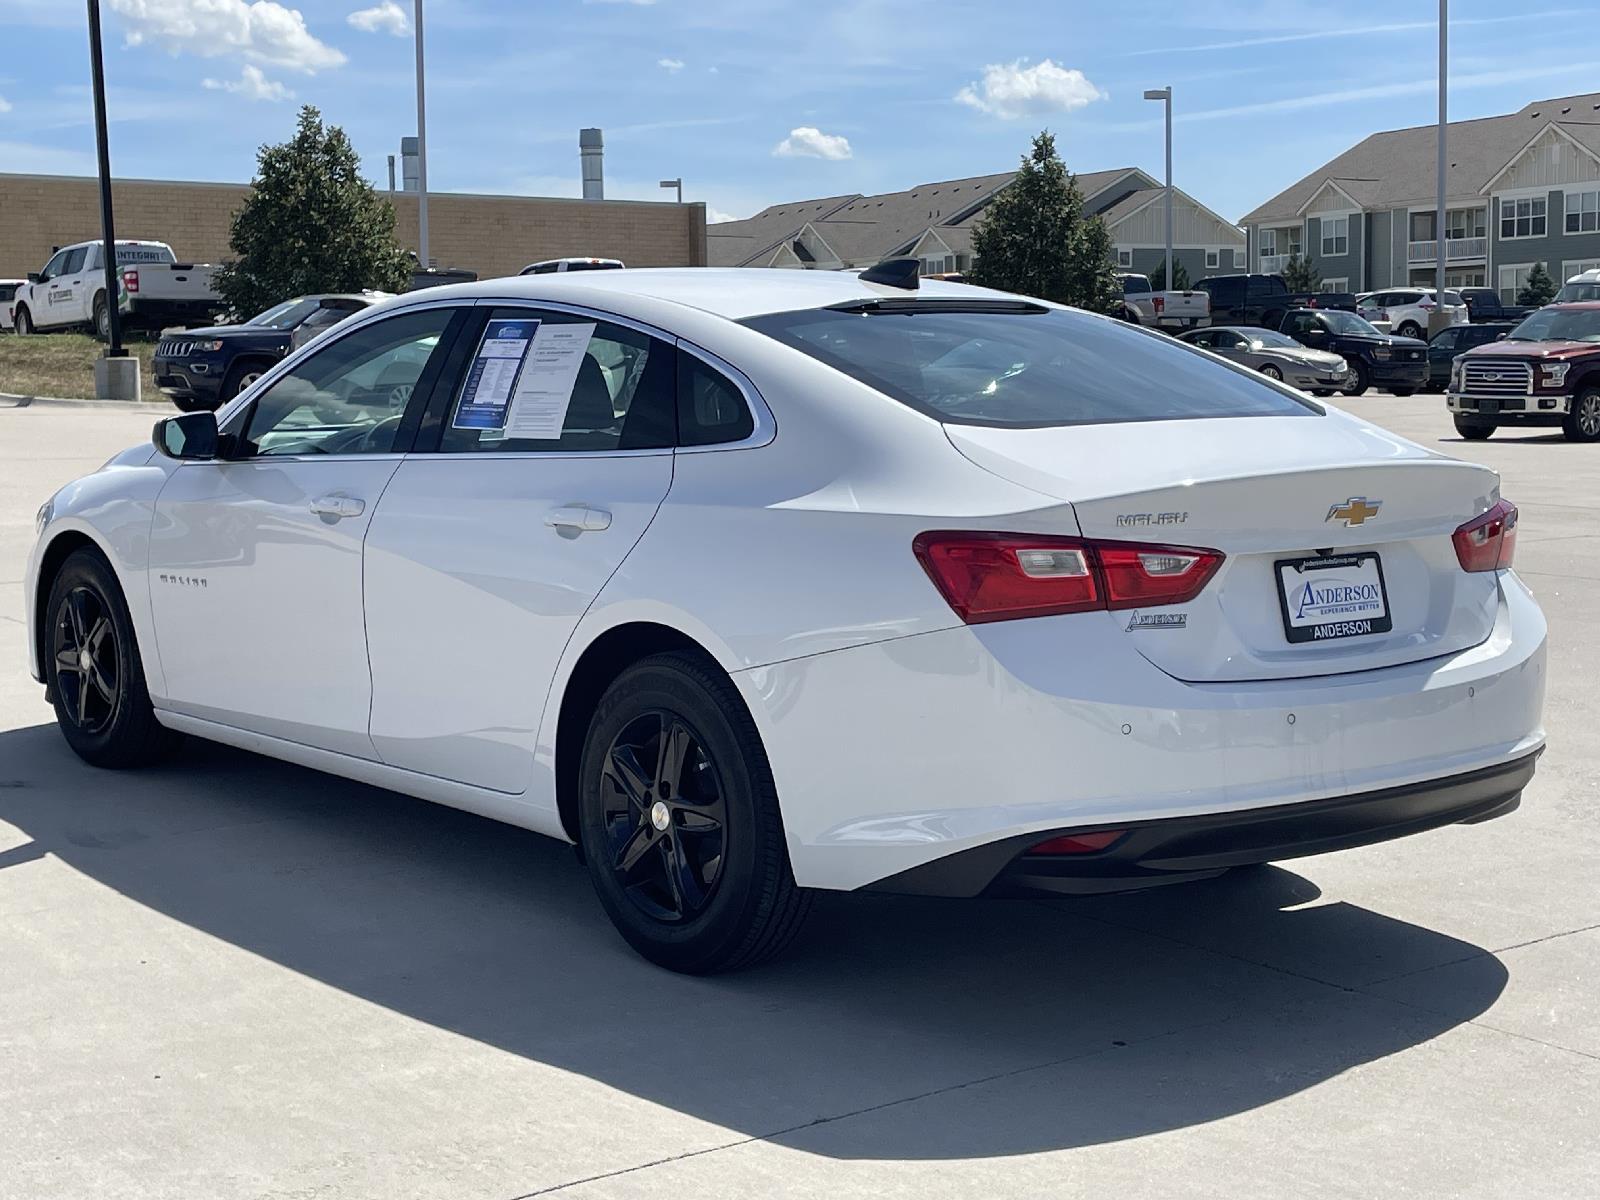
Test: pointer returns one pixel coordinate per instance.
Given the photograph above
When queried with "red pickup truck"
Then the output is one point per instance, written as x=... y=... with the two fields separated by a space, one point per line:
x=1545 y=372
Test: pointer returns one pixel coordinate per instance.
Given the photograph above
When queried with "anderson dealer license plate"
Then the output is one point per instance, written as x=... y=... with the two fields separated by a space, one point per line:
x=1337 y=597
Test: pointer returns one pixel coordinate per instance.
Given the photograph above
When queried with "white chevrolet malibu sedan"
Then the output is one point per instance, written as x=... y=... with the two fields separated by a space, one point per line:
x=752 y=583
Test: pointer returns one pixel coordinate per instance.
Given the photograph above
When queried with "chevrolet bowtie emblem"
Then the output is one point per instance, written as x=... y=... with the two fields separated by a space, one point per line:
x=1354 y=511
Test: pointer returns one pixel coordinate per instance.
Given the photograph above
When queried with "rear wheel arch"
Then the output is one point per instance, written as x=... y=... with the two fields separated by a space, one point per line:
x=601 y=662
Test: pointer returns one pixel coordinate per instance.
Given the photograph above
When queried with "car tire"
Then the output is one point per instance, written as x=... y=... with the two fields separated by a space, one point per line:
x=1358 y=381
x=1272 y=372
x=1582 y=424
x=1409 y=329
x=1474 y=431
x=102 y=318
x=1402 y=391
x=240 y=376
x=695 y=875
x=95 y=672
x=22 y=321
x=1322 y=392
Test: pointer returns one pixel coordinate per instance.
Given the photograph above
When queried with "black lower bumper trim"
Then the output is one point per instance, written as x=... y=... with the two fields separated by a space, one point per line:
x=1152 y=853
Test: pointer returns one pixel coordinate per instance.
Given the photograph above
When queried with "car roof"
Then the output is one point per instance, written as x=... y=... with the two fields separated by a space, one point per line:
x=731 y=292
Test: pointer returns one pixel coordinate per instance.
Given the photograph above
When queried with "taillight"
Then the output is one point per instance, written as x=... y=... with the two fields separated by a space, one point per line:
x=130 y=280
x=1003 y=576
x=1079 y=843
x=1160 y=303
x=1487 y=542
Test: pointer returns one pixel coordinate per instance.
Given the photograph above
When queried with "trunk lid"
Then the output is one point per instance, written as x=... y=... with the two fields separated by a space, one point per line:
x=1264 y=490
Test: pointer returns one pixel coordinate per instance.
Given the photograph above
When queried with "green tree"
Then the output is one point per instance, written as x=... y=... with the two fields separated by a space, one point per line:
x=310 y=224
x=1180 y=276
x=1540 y=288
x=1035 y=239
x=1300 y=276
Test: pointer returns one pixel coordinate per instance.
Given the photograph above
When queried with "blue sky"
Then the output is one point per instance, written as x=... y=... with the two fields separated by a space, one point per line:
x=760 y=101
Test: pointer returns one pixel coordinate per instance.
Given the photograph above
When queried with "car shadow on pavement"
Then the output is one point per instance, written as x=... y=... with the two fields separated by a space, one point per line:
x=945 y=1029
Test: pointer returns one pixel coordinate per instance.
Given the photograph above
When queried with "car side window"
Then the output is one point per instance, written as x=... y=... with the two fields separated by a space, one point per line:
x=74 y=261
x=712 y=409
x=619 y=398
x=349 y=397
x=1446 y=340
x=1226 y=339
x=56 y=265
x=1304 y=323
x=1204 y=340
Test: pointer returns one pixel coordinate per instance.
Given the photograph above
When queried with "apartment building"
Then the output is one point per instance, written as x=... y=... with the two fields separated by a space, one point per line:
x=934 y=222
x=1521 y=189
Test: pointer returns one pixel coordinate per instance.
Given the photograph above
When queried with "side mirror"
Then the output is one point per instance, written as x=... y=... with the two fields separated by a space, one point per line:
x=37 y=277
x=1500 y=337
x=191 y=436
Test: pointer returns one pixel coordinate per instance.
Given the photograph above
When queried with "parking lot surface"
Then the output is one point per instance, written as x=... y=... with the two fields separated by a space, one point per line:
x=229 y=977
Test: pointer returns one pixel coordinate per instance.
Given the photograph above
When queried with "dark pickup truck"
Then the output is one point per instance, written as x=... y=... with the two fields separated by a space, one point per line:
x=1545 y=372
x=1485 y=308
x=1397 y=364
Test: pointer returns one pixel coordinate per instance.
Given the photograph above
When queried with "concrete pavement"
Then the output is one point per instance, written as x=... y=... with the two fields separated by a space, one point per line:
x=234 y=978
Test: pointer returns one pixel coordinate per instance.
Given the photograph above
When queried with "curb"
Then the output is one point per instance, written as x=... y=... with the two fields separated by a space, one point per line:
x=12 y=400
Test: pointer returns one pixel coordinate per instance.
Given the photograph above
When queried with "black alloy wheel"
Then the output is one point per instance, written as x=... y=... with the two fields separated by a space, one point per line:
x=679 y=823
x=87 y=662
x=664 y=816
x=96 y=676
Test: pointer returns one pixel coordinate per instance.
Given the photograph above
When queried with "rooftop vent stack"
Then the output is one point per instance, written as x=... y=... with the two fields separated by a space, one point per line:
x=591 y=150
x=408 y=164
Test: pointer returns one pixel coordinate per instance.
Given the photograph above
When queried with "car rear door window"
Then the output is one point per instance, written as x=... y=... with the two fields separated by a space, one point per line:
x=622 y=397
x=712 y=409
x=74 y=261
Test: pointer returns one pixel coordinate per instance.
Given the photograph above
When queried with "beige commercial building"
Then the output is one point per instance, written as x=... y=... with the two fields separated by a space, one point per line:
x=492 y=235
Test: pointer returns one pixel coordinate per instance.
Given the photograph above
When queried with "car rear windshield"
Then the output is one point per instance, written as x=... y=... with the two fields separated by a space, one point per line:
x=1135 y=285
x=1572 y=292
x=1019 y=369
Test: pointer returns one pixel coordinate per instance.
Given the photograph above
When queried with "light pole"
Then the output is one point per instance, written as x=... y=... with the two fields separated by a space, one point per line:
x=1436 y=319
x=108 y=233
x=422 y=151
x=1165 y=96
x=675 y=183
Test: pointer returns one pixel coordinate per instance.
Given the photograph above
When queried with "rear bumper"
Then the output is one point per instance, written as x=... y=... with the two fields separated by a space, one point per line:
x=897 y=754
x=1158 y=852
x=153 y=314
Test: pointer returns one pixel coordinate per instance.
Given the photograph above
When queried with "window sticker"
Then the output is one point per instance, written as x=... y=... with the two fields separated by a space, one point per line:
x=502 y=354
x=543 y=390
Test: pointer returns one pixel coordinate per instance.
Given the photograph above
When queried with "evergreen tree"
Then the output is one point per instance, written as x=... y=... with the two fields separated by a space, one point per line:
x=1300 y=276
x=310 y=224
x=1035 y=240
x=1540 y=288
x=1180 y=276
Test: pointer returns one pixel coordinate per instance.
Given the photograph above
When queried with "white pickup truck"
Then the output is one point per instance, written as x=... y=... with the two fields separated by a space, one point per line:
x=154 y=290
x=1162 y=310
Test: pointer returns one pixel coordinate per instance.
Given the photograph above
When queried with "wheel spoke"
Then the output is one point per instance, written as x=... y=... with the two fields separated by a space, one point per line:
x=675 y=743
x=635 y=848
x=67 y=662
x=97 y=634
x=83 y=701
x=77 y=619
x=107 y=692
x=686 y=889
x=697 y=819
x=627 y=776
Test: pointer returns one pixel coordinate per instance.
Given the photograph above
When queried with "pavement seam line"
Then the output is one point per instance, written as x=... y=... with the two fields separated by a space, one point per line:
x=872 y=1108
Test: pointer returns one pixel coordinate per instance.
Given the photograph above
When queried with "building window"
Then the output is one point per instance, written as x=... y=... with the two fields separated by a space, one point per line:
x=1466 y=277
x=1583 y=212
x=1213 y=259
x=1513 y=278
x=1464 y=223
x=1522 y=218
x=1335 y=285
x=1577 y=266
x=938 y=265
x=1124 y=256
x=1269 y=242
x=1335 y=236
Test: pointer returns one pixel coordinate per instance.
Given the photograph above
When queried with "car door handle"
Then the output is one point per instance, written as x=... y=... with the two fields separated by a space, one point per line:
x=578 y=516
x=338 y=506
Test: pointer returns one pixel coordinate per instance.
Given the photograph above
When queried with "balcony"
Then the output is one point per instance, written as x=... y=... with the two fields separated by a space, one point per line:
x=1455 y=250
x=1272 y=264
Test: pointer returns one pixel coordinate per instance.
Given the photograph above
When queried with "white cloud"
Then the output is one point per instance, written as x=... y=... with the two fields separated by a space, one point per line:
x=261 y=30
x=807 y=141
x=670 y=64
x=385 y=16
x=1018 y=90
x=252 y=84
x=715 y=216
x=5 y=105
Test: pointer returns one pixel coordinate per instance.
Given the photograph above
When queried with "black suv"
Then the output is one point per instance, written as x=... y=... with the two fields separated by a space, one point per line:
x=205 y=368
x=1458 y=339
x=1246 y=299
